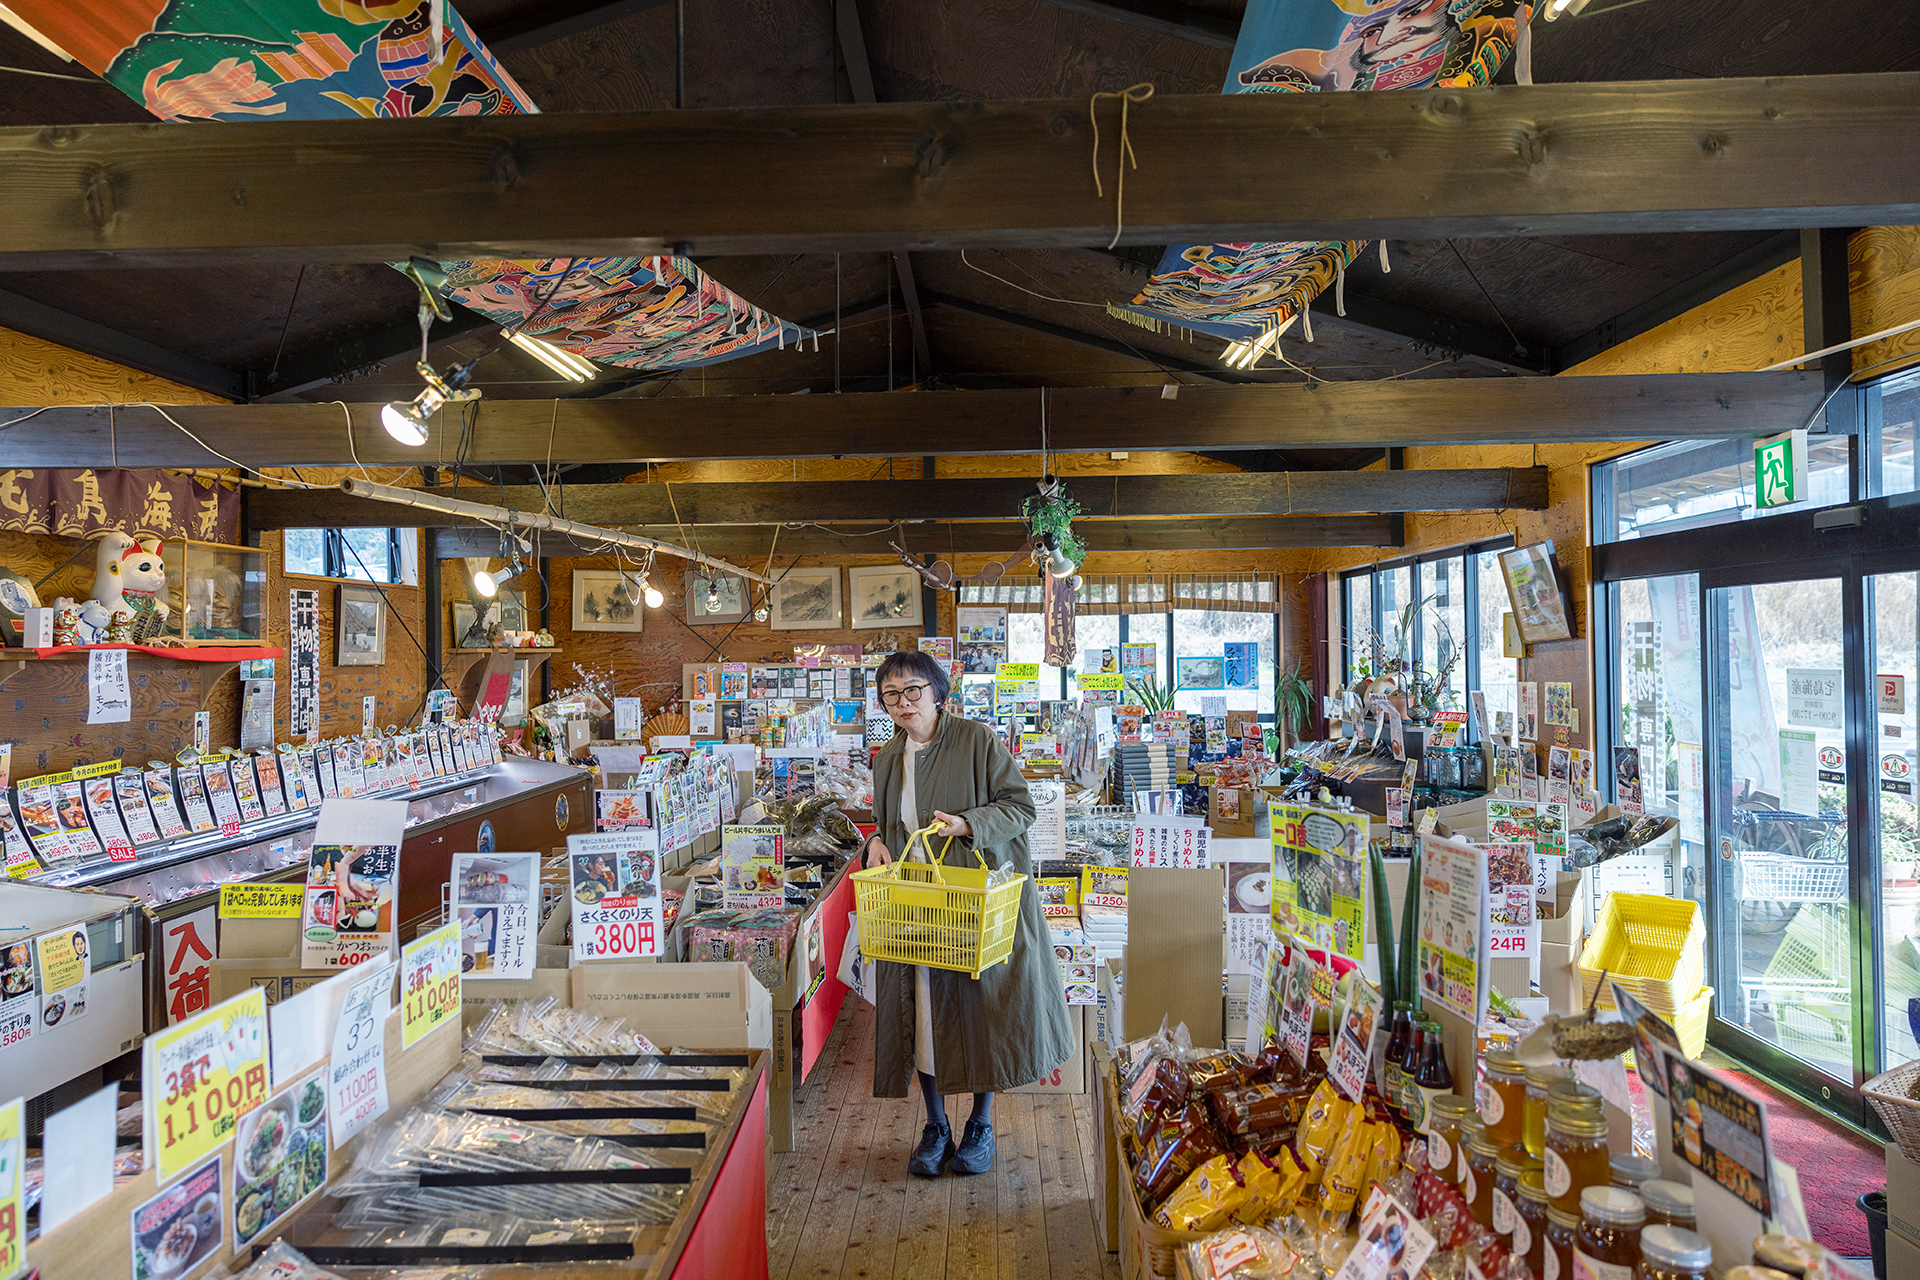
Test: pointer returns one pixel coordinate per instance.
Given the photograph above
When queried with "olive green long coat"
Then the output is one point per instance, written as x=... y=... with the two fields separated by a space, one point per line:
x=1010 y=1026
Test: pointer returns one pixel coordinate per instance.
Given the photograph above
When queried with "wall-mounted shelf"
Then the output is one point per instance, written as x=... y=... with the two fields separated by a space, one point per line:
x=14 y=661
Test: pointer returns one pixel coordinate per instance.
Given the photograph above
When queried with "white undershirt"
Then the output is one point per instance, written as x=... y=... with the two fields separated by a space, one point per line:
x=922 y=992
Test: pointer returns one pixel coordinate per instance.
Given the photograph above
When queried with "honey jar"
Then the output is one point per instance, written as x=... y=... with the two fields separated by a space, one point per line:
x=1556 y=1260
x=1507 y=1168
x=1628 y=1171
x=1608 y=1246
x=1470 y=1128
x=1576 y=1156
x=1669 y=1204
x=1503 y=1098
x=1444 y=1124
x=1530 y=1232
x=1533 y=1126
x=1564 y=1092
x=1477 y=1187
x=1673 y=1253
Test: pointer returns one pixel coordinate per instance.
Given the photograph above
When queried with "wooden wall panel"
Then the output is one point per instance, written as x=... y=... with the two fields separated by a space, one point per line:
x=1883 y=270
x=35 y=371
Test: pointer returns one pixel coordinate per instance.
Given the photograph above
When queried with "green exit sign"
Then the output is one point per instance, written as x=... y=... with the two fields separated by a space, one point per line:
x=1780 y=469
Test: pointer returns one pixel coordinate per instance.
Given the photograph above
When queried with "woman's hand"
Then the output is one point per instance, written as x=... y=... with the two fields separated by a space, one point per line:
x=876 y=854
x=950 y=825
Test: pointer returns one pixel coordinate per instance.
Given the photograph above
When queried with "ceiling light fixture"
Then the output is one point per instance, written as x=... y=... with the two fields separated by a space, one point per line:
x=558 y=359
x=1564 y=8
x=1049 y=515
x=406 y=420
x=713 y=596
x=652 y=593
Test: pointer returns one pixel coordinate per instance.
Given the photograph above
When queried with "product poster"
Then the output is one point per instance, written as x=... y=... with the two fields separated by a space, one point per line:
x=199 y=1078
x=621 y=811
x=1721 y=1130
x=347 y=913
x=1626 y=779
x=105 y=812
x=279 y=1157
x=1243 y=664
x=1528 y=710
x=64 y=972
x=1653 y=1038
x=1047 y=837
x=19 y=1007
x=19 y=854
x=1352 y=1058
x=494 y=896
x=1392 y=1242
x=1166 y=840
x=1541 y=823
x=614 y=895
x=753 y=866
x=1452 y=918
x=429 y=982
x=1249 y=913
x=356 y=1072
x=1103 y=886
x=1510 y=890
x=1559 y=702
x=1296 y=1005
x=303 y=662
x=180 y=1227
x=1318 y=891
x=1139 y=661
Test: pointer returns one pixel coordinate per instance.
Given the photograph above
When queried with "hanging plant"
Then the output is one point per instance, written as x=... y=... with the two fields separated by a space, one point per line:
x=1049 y=515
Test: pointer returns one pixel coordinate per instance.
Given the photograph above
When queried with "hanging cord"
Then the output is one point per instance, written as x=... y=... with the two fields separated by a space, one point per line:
x=1138 y=93
x=273 y=374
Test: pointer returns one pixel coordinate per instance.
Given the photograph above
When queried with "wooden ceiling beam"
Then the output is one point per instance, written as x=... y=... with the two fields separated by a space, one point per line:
x=1322 y=415
x=750 y=544
x=1558 y=159
x=879 y=501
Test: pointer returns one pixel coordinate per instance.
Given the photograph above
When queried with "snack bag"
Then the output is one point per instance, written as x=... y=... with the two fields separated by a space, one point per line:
x=1242 y=1253
x=1346 y=1171
x=1319 y=1126
x=1209 y=1196
x=1385 y=1160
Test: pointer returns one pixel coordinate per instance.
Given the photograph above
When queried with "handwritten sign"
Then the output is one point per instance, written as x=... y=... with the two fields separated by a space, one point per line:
x=429 y=983
x=1166 y=840
x=202 y=1075
x=357 y=1069
x=261 y=901
x=614 y=891
x=109 y=697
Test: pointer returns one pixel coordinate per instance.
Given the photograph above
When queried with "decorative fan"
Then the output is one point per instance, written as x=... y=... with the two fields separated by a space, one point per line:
x=664 y=725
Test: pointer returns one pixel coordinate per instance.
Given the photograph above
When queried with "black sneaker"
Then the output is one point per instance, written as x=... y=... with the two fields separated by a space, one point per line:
x=930 y=1158
x=976 y=1148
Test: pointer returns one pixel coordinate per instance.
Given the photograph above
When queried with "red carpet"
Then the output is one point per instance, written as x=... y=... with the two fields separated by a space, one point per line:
x=1834 y=1166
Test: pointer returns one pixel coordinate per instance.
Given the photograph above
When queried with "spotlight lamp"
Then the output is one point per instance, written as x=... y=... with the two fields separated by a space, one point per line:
x=713 y=596
x=1049 y=515
x=406 y=420
x=483 y=583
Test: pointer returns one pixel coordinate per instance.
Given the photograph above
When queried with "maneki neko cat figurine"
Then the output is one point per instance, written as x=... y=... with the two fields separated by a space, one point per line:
x=129 y=575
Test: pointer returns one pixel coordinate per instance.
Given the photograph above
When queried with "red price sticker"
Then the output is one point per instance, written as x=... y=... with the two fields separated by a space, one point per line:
x=230 y=828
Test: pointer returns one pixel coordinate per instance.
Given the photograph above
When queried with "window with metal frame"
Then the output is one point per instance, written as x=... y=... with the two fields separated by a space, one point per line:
x=358 y=555
x=1451 y=629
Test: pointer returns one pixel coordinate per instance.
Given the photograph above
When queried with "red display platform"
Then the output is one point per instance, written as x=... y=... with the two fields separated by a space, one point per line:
x=185 y=653
x=729 y=1238
x=821 y=1009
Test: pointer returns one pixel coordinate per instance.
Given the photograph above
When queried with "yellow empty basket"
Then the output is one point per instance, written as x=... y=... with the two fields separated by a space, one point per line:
x=931 y=914
x=1654 y=947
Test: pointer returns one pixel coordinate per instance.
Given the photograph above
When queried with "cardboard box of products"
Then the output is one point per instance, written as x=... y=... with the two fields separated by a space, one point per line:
x=700 y=1006
x=1903 y=1255
x=1111 y=1014
x=1173 y=969
x=1232 y=812
x=1069 y=1077
x=1903 y=1201
x=1106 y=1145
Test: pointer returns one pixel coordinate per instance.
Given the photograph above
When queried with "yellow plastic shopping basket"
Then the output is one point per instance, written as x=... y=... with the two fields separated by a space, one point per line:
x=931 y=914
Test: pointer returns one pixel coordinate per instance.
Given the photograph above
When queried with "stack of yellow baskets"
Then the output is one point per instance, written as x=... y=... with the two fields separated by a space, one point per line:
x=1655 y=948
x=931 y=914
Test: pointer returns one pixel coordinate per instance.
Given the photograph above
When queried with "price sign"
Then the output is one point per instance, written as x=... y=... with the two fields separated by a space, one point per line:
x=1166 y=840
x=201 y=1076
x=429 y=983
x=357 y=1068
x=13 y=1206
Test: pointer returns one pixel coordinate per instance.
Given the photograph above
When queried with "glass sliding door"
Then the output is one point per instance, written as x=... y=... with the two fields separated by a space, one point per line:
x=1782 y=923
x=1895 y=662
x=1655 y=682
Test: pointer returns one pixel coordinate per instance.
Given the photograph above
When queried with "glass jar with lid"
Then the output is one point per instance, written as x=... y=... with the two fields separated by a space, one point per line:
x=1556 y=1259
x=1629 y=1171
x=1572 y=1092
x=1669 y=1204
x=1533 y=1127
x=1576 y=1156
x=1503 y=1097
x=1507 y=1168
x=1674 y=1253
x=1608 y=1246
x=1530 y=1231
x=1470 y=1128
x=1477 y=1186
x=1449 y=1112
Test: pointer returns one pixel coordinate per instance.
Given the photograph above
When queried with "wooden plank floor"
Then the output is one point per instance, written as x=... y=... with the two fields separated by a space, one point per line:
x=841 y=1204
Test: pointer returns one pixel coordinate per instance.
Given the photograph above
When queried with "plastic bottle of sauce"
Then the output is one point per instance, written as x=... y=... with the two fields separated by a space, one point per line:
x=1433 y=1078
x=1674 y=1253
x=1628 y=1172
x=1444 y=1134
x=1477 y=1185
x=1533 y=1127
x=1507 y=1168
x=1556 y=1260
x=1530 y=1232
x=1503 y=1098
x=1669 y=1204
x=1576 y=1157
x=1608 y=1246
x=1400 y=1031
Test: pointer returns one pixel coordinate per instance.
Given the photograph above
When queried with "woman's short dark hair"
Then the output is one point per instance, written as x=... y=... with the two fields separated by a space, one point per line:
x=912 y=665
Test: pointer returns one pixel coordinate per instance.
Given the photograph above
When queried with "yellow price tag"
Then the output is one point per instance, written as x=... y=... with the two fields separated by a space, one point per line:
x=202 y=1075
x=261 y=901
x=100 y=770
x=429 y=982
x=1017 y=671
x=13 y=1205
x=1102 y=680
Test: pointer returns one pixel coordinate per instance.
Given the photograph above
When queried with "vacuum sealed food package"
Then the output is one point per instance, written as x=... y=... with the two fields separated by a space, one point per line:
x=280 y=1261
x=1241 y=1253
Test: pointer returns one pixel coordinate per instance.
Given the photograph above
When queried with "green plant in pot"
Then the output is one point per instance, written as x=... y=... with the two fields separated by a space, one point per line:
x=1292 y=705
x=1145 y=691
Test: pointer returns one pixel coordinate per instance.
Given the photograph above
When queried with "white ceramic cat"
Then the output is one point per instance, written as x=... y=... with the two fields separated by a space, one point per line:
x=129 y=574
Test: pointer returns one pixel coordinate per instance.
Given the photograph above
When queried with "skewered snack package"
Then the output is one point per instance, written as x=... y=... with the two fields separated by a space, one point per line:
x=1241 y=1253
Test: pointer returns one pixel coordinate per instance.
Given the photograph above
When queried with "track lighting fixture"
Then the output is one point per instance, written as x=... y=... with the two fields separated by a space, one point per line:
x=1057 y=563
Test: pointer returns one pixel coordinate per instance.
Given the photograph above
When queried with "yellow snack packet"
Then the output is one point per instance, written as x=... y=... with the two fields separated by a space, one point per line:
x=1293 y=1181
x=1208 y=1197
x=1321 y=1124
x=1346 y=1172
x=1386 y=1155
x=1262 y=1179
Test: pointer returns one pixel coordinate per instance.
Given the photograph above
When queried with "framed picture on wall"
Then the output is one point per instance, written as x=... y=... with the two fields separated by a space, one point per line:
x=1533 y=588
x=471 y=625
x=807 y=600
x=886 y=596
x=606 y=600
x=361 y=627
x=715 y=598
x=1201 y=673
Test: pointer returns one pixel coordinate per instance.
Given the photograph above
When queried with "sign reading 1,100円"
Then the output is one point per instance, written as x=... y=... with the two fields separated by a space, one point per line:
x=202 y=1075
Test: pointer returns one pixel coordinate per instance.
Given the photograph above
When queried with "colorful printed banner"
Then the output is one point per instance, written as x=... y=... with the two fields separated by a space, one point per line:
x=389 y=59
x=1237 y=291
x=144 y=504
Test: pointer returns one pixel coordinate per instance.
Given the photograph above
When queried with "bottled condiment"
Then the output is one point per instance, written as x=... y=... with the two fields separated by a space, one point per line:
x=1576 y=1156
x=1556 y=1260
x=1444 y=1135
x=1530 y=1232
x=1785 y=1253
x=1674 y=1253
x=1572 y=1093
x=1533 y=1126
x=1608 y=1246
x=1629 y=1171
x=1507 y=1168
x=1408 y=1099
x=1477 y=1186
x=1400 y=1031
x=1503 y=1097
x=1669 y=1204
x=1432 y=1079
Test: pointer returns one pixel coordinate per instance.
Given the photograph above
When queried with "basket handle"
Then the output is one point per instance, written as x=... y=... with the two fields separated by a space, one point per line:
x=937 y=861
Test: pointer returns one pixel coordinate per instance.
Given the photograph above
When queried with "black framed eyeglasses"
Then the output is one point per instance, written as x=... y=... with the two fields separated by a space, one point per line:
x=910 y=693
